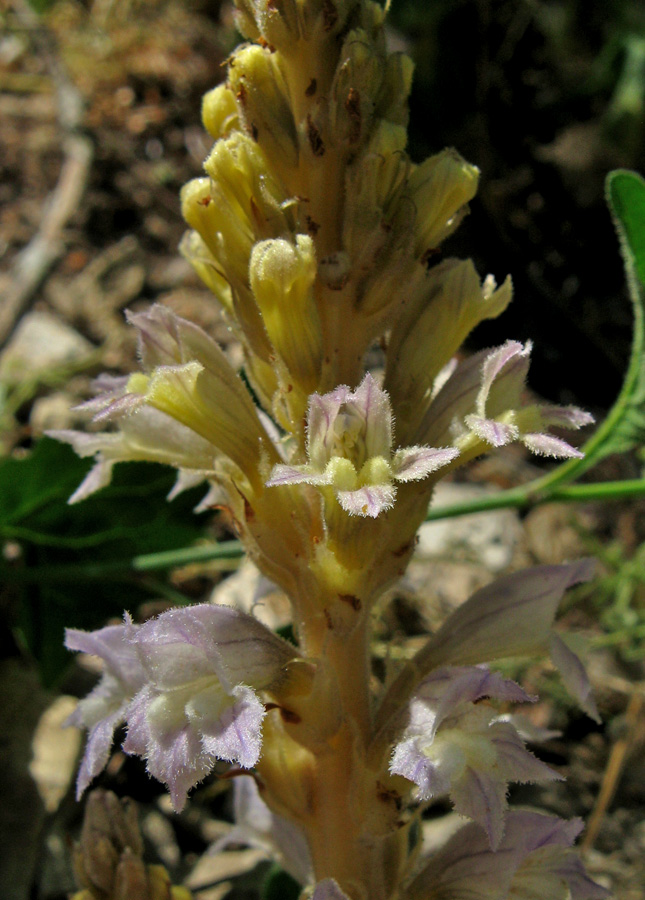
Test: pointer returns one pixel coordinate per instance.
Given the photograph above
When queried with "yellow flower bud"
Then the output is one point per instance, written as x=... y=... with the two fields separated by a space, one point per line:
x=193 y=248
x=431 y=329
x=397 y=81
x=440 y=188
x=257 y=79
x=373 y=182
x=282 y=278
x=219 y=112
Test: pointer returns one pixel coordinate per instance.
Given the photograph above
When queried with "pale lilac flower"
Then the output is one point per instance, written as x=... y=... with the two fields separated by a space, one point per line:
x=145 y=434
x=452 y=746
x=349 y=448
x=480 y=405
x=514 y=616
x=189 y=410
x=104 y=709
x=258 y=826
x=204 y=666
x=499 y=418
x=534 y=860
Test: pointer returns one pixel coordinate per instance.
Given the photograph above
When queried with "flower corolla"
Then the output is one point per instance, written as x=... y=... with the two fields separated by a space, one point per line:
x=189 y=694
x=452 y=744
x=534 y=859
x=349 y=448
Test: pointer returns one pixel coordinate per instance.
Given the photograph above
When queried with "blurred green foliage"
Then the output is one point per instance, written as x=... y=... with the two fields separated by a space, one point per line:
x=68 y=565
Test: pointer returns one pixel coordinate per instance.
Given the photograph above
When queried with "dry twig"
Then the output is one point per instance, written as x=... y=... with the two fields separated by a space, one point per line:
x=36 y=259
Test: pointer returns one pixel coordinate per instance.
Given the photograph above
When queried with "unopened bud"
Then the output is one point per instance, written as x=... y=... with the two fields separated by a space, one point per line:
x=257 y=80
x=282 y=277
x=440 y=188
x=220 y=112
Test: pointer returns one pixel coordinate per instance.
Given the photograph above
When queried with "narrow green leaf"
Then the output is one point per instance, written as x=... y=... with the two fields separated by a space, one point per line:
x=626 y=198
x=624 y=427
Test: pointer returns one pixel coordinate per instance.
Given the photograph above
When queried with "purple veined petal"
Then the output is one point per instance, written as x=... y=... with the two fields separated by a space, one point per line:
x=514 y=760
x=409 y=760
x=533 y=830
x=574 y=675
x=497 y=434
x=497 y=360
x=548 y=445
x=174 y=755
x=368 y=501
x=166 y=339
x=104 y=708
x=119 y=407
x=467 y=868
x=235 y=735
x=157 y=336
x=113 y=645
x=283 y=474
x=415 y=463
x=372 y=404
x=328 y=890
x=581 y=887
x=448 y=687
x=182 y=732
x=482 y=797
x=510 y=617
x=321 y=416
x=455 y=399
x=97 y=747
x=565 y=416
x=183 y=645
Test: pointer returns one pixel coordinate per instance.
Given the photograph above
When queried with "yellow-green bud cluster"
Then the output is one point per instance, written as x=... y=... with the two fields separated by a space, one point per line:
x=313 y=228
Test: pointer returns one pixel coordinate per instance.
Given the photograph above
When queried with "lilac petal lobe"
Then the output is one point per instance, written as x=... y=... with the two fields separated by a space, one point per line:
x=415 y=463
x=368 y=501
x=548 y=445
x=497 y=434
x=510 y=617
x=482 y=798
x=285 y=474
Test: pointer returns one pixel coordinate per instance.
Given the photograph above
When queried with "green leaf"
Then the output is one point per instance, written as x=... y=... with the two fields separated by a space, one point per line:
x=626 y=198
x=624 y=427
x=63 y=548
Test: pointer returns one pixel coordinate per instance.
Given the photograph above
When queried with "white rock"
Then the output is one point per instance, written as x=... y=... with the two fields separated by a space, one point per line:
x=40 y=343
